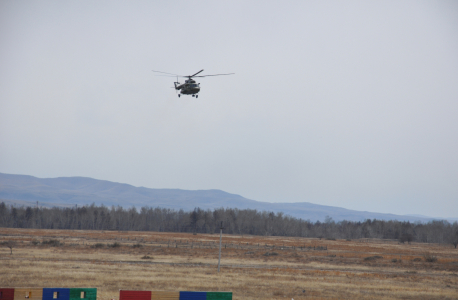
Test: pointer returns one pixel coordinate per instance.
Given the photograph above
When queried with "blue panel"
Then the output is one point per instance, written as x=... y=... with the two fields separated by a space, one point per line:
x=193 y=295
x=63 y=294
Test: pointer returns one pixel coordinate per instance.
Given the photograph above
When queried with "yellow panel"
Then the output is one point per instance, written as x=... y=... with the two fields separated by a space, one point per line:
x=158 y=295
x=28 y=294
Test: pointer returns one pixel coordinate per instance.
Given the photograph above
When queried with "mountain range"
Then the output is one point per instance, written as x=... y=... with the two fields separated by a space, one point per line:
x=24 y=190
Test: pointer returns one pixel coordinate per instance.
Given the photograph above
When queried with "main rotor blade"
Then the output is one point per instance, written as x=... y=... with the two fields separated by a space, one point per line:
x=167 y=73
x=168 y=76
x=195 y=74
x=172 y=76
x=215 y=75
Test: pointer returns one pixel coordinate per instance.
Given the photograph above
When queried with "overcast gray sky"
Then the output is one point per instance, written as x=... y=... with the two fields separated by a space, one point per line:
x=344 y=103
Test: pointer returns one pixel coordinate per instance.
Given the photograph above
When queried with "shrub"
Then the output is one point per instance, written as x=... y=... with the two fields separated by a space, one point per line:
x=416 y=259
x=137 y=245
x=98 y=245
x=430 y=258
x=369 y=258
x=270 y=253
x=147 y=257
x=114 y=245
x=52 y=243
x=34 y=242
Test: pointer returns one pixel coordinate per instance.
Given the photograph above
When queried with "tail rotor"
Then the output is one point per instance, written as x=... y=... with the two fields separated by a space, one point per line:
x=176 y=84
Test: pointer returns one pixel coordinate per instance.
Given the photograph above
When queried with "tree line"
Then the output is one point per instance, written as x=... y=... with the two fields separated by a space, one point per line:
x=235 y=221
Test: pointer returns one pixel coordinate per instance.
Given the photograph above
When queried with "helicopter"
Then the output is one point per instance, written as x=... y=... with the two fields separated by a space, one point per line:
x=189 y=87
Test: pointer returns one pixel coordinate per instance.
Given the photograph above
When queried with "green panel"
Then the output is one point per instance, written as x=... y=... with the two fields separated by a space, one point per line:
x=219 y=295
x=90 y=294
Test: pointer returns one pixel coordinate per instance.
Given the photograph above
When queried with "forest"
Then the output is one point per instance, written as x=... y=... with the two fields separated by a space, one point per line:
x=234 y=221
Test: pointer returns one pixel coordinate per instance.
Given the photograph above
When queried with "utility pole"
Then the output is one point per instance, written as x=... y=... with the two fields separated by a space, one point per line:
x=220 y=239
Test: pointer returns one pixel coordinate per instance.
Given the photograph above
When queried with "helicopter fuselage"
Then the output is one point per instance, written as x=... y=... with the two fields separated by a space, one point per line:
x=190 y=87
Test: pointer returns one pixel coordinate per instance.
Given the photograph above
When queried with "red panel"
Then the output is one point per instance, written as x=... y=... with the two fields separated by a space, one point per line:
x=6 y=294
x=134 y=295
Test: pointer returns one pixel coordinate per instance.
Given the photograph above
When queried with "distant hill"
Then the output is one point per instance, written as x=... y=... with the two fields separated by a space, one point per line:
x=69 y=191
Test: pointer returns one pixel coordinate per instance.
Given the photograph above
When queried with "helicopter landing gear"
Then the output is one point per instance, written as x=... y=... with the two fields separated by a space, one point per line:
x=179 y=95
x=197 y=96
x=193 y=95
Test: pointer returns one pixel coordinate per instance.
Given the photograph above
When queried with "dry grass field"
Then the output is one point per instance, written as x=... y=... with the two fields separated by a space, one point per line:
x=252 y=267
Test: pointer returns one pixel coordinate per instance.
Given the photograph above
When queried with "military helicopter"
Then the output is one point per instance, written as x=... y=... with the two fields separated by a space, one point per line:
x=189 y=87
